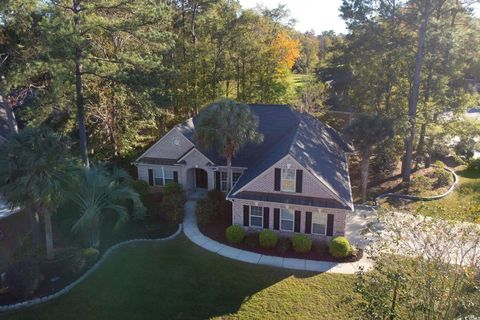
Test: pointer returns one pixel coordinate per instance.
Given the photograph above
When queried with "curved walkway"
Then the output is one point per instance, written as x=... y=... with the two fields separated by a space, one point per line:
x=191 y=230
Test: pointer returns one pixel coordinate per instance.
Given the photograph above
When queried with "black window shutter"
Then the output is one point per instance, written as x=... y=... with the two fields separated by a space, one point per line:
x=150 y=177
x=330 y=224
x=276 y=218
x=278 y=173
x=266 y=217
x=217 y=180
x=298 y=218
x=246 y=216
x=299 y=181
x=308 y=222
x=175 y=176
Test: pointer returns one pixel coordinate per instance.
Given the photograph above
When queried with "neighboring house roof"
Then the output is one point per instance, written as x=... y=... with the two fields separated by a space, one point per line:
x=315 y=145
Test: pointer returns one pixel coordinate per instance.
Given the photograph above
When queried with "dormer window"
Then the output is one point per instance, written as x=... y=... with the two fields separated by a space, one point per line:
x=288 y=180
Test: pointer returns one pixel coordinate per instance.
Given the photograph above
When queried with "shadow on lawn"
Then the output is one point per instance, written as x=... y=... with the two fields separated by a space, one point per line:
x=175 y=280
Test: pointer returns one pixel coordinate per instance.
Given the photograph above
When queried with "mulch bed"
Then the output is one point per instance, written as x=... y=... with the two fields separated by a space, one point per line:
x=319 y=252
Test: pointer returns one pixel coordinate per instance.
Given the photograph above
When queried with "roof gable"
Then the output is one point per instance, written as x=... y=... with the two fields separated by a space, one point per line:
x=319 y=148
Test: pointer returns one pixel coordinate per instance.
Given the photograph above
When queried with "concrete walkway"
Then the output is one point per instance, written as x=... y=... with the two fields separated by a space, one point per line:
x=190 y=229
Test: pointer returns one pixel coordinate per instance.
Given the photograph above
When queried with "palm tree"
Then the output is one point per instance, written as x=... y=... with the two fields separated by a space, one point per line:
x=367 y=131
x=226 y=126
x=33 y=167
x=100 y=192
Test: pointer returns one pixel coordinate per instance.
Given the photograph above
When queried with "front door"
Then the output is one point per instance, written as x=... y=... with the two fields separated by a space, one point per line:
x=201 y=178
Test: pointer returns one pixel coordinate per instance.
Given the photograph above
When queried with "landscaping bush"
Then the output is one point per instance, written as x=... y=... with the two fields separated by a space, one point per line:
x=283 y=245
x=173 y=205
x=140 y=186
x=419 y=184
x=251 y=239
x=386 y=158
x=204 y=212
x=212 y=208
x=23 y=278
x=439 y=164
x=339 y=247
x=268 y=239
x=68 y=263
x=465 y=148
x=301 y=243
x=474 y=164
x=443 y=177
x=234 y=234
x=91 y=255
x=458 y=160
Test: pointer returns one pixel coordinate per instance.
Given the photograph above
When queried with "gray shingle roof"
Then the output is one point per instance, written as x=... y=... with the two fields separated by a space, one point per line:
x=315 y=145
x=290 y=199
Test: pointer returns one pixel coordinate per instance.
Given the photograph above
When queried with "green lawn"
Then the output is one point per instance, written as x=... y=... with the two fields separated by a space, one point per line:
x=178 y=280
x=463 y=204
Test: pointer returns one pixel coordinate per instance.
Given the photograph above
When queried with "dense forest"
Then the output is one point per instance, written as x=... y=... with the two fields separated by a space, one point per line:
x=116 y=75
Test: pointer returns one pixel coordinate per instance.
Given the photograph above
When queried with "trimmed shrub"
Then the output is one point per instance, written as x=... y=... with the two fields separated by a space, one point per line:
x=283 y=245
x=91 y=255
x=458 y=160
x=212 y=208
x=268 y=239
x=68 y=263
x=234 y=233
x=301 y=243
x=443 y=177
x=173 y=205
x=439 y=164
x=140 y=186
x=23 y=278
x=339 y=247
x=474 y=164
x=251 y=239
x=419 y=184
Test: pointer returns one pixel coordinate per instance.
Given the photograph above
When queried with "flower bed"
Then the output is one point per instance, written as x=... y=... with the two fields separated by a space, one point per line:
x=216 y=230
x=54 y=278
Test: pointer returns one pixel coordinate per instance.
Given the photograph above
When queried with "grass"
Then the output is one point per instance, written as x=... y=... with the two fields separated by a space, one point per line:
x=178 y=280
x=463 y=204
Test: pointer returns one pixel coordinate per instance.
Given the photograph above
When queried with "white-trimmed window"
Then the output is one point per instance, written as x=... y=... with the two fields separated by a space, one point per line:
x=319 y=223
x=288 y=180
x=163 y=176
x=286 y=220
x=223 y=180
x=236 y=176
x=256 y=216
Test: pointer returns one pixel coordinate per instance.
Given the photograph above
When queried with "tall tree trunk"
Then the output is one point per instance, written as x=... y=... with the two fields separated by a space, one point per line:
x=34 y=224
x=413 y=100
x=47 y=216
x=12 y=122
x=428 y=158
x=113 y=128
x=79 y=88
x=364 y=167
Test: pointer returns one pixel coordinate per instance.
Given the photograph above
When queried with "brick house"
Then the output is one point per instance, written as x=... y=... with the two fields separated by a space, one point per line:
x=296 y=180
